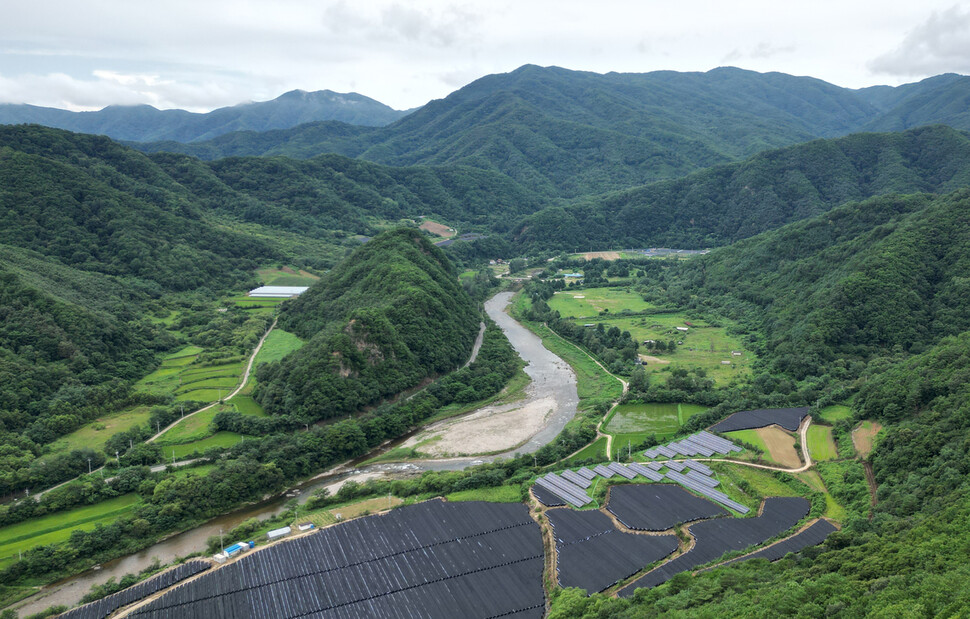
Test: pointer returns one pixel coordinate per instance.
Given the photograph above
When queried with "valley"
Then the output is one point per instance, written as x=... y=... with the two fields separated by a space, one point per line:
x=767 y=418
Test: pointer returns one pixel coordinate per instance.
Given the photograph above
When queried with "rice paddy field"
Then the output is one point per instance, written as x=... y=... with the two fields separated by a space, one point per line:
x=57 y=527
x=635 y=422
x=703 y=345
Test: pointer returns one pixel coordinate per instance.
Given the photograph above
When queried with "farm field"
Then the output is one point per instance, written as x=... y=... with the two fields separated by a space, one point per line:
x=57 y=527
x=778 y=446
x=438 y=229
x=864 y=436
x=635 y=422
x=219 y=439
x=835 y=413
x=591 y=301
x=495 y=494
x=246 y=405
x=191 y=428
x=595 y=450
x=821 y=445
x=278 y=344
x=181 y=375
x=703 y=345
x=94 y=434
x=286 y=276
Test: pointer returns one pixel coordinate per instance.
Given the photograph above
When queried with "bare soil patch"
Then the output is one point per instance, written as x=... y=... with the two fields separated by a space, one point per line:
x=864 y=435
x=435 y=228
x=488 y=430
x=605 y=255
x=781 y=446
x=650 y=359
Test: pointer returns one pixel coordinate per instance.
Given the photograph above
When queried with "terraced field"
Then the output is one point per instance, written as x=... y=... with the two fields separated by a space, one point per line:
x=703 y=345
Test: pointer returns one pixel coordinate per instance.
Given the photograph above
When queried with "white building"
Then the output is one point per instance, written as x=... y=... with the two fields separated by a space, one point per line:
x=278 y=292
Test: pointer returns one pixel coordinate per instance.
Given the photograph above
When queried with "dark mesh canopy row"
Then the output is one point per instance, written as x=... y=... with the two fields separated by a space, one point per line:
x=433 y=559
x=593 y=555
x=658 y=507
x=715 y=537
x=788 y=418
x=108 y=604
x=812 y=536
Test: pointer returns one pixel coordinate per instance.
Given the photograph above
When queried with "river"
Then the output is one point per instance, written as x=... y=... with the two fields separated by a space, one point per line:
x=551 y=378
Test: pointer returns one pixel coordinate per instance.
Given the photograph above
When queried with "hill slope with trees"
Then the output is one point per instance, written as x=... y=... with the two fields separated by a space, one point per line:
x=735 y=201
x=572 y=133
x=381 y=321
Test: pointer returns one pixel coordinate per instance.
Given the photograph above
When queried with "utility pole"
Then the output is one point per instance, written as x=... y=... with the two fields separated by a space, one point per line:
x=118 y=458
x=173 y=457
x=157 y=427
x=182 y=407
x=222 y=546
x=89 y=466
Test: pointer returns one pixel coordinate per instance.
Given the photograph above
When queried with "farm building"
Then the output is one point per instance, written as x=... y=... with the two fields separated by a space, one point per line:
x=278 y=292
x=682 y=328
x=572 y=275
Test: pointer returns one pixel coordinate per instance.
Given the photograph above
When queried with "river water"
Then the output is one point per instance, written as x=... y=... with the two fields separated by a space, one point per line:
x=551 y=377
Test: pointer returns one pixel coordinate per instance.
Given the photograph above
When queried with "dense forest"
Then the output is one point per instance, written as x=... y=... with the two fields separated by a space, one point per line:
x=735 y=201
x=380 y=322
x=572 y=133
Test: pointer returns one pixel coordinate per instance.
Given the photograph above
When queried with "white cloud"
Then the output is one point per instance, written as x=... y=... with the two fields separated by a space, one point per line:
x=940 y=44
x=201 y=55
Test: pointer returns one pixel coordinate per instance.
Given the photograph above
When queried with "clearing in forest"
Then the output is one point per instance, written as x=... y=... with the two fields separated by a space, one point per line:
x=439 y=229
x=864 y=436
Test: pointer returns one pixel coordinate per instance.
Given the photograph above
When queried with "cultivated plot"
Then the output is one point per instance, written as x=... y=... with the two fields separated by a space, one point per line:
x=593 y=555
x=636 y=421
x=434 y=559
x=658 y=507
x=715 y=537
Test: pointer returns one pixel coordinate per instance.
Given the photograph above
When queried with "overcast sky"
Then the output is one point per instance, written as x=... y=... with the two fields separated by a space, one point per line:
x=203 y=54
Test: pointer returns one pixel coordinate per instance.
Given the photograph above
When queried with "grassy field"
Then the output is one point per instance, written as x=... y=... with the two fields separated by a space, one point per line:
x=192 y=428
x=590 y=302
x=287 y=276
x=703 y=345
x=246 y=405
x=496 y=494
x=219 y=439
x=634 y=422
x=94 y=434
x=821 y=445
x=750 y=437
x=595 y=450
x=835 y=413
x=57 y=527
x=760 y=483
x=593 y=383
x=278 y=344
x=832 y=508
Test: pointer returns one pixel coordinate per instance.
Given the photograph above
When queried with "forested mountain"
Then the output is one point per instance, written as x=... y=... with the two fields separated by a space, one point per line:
x=145 y=123
x=867 y=279
x=95 y=238
x=735 y=201
x=381 y=321
x=571 y=133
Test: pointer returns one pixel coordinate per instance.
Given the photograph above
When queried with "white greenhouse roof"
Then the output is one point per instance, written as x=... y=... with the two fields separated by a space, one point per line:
x=278 y=291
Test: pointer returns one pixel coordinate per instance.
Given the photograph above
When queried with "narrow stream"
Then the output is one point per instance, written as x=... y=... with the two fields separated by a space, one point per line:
x=551 y=377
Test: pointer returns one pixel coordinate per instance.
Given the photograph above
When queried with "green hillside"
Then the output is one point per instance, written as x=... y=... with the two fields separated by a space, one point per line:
x=378 y=323
x=735 y=201
x=573 y=133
